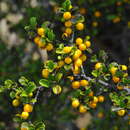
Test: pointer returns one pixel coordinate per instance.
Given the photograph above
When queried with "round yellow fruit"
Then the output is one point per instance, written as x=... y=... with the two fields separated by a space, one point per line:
x=84 y=82
x=24 y=115
x=75 y=103
x=67 y=49
x=115 y=79
x=101 y=98
x=57 y=89
x=124 y=67
x=60 y=64
x=49 y=47
x=91 y=94
x=83 y=57
x=97 y=14
x=77 y=54
x=15 y=102
x=95 y=99
x=68 y=60
x=78 y=62
x=82 y=109
x=79 y=26
x=67 y=15
x=28 y=108
x=93 y=105
x=45 y=73
x=75 y=84
x=120 y=87
x=79 y=41
x=68 y=24
x=82 y=47
x=88 y=44
x=98 y=65
x=36 y=39
x=40 y=31
x=121 y=112
x=68 y=31
x=113 y=70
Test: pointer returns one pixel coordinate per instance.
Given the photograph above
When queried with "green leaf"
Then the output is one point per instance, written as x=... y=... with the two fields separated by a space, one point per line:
x=111 y=17
x=50 y=34
x=31 y=87
x=23 y=81
x=8 y=83
x=44 y=83
x=94 y=59
x=59 y=76
x=66 y=5
x=96 y=73
x=12 y=94
x=33 y=22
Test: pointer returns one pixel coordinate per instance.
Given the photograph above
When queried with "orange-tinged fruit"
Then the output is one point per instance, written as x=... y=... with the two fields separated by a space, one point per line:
x=82 y=109
x=15 y=102
x=79 y=41
x=36 y=39
x=28 y=108
x=67 y=49
x=88 y=44
x=30 y=94
x=98 y=66
x=79 y=26
x=68 y=60
x=24 y=115
x=100 y=115
x=124 y=67
x=121 y=112
x=49 y=47
x=24 y=128
x=82 y=47
x=113 y=70
x=71 y=78
x=40 y=31
x=97 y=14
x=84 y=82
x=68 y=31
x=68 y=24
x=115 y=79
x=101 y=98
x=75 y=84
x=78 y=62
x=67 y=15
x=116 y=20
x=41 y=44
x=82 y=11
x=95 y=99
x=45 y=73
x=91 y=94
x=93 y=105
x=75 y=103
x=125 y=75
x=95 y=24
x=64 y=35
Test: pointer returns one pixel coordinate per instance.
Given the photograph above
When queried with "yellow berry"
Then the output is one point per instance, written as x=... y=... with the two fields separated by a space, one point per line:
x=121 y=112
x=49 y=47
x=100 y=115
x=68 y=24
x=91 y=94
x=36 y=39
x=15 y=102
x=93 y=105
x=75 y=103
x=28 y=108
x=78 y=62
x=67 y=15
x=41 y=44
x=82 y=109
x=79 y=41
x=67 y=49
x=116 y=20
x=113 y=70
x=95 y=99
x=24 y=115
x=98 y=65
x=71 y=78
x=83 y=11
x=40 y=31
x=124 y=67
x=95 y=24
x=88 y=44
x=83 y=57
x=45 y=73
x=120 y=87
x=68 y=31
x=101 y=98
x=60 y=64
x=57 y=89
x=82 y=47
x=75 y=84
x=68 y=60
x=65 y=35
x=77 y=54
x=30 y=94
x=115 y=79
x=84 y=83
x=79 y=26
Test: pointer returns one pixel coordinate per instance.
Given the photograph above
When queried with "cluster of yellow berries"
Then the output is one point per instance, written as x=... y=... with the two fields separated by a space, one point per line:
x=92 y=104
x=113 y=71
x=68 y=24
x=42 y=44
